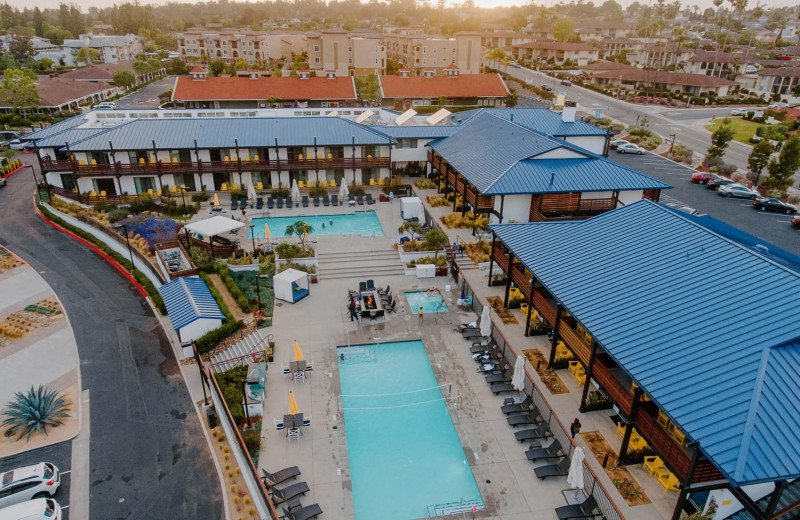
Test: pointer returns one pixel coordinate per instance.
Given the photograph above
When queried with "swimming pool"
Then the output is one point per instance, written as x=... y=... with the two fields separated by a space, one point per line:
x=405 y=455
x=363 y=223
x=430 y=304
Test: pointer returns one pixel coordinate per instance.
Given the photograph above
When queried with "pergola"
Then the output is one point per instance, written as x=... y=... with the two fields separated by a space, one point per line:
x=212 y=227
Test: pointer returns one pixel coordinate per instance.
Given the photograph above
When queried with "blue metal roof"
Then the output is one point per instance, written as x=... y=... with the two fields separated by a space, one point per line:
x=56 y=128
x=569 y=176
x=543 y=121
x=69 y=135
x=417 y=132
x=637 y=278
x=188 y=299
x=221 y=132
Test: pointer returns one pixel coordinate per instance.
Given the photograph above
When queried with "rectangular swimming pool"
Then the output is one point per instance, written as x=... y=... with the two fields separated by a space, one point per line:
x=430 y=303
x=405 y=455
x=364 y=223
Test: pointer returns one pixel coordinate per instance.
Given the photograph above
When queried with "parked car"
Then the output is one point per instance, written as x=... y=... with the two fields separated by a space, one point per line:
x=772 y=204
x=515 y=64
x=617 y=143
x=739 y=191
x=106 y=105
x=715 y=184
x=630 y=148
x=39 y=509
x=23 y=484
x=703 y=177
x=28 y=147
x=796 y=221
x=8 y=135
x=566 y=82
x=547 y=88
x=16 y=144
x=738 y=112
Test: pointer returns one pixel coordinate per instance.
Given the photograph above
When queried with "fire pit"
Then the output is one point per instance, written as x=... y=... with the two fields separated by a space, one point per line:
x=370 y=305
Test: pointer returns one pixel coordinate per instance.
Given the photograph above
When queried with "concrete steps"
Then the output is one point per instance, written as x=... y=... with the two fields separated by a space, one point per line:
x=247 y=345
x=360 y=264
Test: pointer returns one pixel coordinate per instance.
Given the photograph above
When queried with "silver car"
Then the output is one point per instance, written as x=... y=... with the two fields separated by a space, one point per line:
x=738 y=190
x=26 y=483
x=630 y=148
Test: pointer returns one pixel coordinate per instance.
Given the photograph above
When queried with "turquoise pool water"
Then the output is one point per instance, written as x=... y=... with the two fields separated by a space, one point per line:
x=363 y=223
x=430 y=304
x=405 y=455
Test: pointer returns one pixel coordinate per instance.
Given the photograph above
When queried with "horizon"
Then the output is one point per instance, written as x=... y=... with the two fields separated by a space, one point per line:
x=488 y=4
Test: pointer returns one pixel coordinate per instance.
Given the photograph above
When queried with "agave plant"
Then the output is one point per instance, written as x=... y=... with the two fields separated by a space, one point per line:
x=34 y=411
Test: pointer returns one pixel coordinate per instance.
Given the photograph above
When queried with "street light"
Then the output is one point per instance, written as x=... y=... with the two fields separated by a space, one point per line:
x=36 y=181
x=127 y=239
x=244 y=403
x=671 y=144
x=258 y=286
x=183 y=197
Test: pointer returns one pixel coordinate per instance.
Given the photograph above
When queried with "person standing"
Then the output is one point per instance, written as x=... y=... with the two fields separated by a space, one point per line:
x=421 y=316
x=391 y=197
x=575 y=427
x=352 y=308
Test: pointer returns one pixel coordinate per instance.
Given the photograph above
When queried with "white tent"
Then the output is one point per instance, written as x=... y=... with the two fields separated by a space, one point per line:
x=343 y=191
x=290 y=285
x=214 y=226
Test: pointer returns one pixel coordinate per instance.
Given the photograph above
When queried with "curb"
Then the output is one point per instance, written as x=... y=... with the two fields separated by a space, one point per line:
x=94 y=248
x=12 y=172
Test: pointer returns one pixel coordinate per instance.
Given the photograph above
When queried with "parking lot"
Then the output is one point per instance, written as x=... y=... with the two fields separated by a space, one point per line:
x=771 y=227
x=60 y=455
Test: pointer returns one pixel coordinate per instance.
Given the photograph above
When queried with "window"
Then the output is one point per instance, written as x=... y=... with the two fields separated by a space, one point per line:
x=406 y=143
x=316 y=60
x=144 y=183
x=316 y=48
x=424 y=61
x=370 y=150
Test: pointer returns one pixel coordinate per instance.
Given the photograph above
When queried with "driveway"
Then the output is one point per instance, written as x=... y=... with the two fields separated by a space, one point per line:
x=772 y=227
x=148 y=457
x=146 y=97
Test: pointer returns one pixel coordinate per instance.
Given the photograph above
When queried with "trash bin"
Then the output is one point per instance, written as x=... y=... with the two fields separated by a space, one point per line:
x=211 y=415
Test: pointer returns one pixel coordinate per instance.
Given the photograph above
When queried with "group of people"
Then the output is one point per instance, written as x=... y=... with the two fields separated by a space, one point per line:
x=354 y=307
x=434 y=291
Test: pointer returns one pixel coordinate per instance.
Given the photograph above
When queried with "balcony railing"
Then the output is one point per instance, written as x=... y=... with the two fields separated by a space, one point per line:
x=478 y=201
x=501 y=256
x=522 y=280
x=575 y=343
x=53 y=166
x=544 y=307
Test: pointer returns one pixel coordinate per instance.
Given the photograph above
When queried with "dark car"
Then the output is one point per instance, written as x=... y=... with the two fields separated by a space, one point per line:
x=714 y=184
x=703 y=177
x=566 y=82
x=796 y=221
x=547 y=88
x=771 y=204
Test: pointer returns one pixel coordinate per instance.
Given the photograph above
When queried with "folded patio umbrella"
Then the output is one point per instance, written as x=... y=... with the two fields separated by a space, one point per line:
x=293 y=409
x=575 y=476
x=251 y=192
x=486 y=321
x=518 y=379
x=343 y=191
x=267 y=232
x=295 y=191
x=298 y=354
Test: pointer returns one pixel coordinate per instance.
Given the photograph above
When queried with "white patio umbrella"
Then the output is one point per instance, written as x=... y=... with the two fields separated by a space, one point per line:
x=518 y=379
x=295 y=191
x=251 y=193
x=486 y=321
x=575 y=476
x=343 y=191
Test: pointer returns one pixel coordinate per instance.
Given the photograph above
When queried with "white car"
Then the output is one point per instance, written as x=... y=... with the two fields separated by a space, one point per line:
x=630 y=148
x=23 y=484
x=738 y=112
x=39 y=509
x=16 y=144
x=106 y=105
x=739 y=191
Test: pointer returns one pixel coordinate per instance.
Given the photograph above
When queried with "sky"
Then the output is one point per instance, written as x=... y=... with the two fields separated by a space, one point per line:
x=85 y=4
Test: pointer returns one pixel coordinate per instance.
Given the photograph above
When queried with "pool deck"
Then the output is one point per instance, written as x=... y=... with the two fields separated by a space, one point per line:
x=321 y=322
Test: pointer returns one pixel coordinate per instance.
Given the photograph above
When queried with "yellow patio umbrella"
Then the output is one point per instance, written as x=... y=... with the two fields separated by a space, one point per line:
x=298 y=354
x=216 y=200
x=293 y=409
x=267 y=232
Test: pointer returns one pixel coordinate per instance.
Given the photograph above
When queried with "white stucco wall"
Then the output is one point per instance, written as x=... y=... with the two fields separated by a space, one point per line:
x=197 y=328
x=628 y=197
x=728 y=505
x=594 y=144
x=560 y=153
x=515 y=207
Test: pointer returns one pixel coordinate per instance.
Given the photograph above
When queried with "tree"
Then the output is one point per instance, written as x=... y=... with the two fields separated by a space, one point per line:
x=563 y=29
x=141 y=68
x=288 y=251
x=302 y=230
x=720 y=138
x=369 y=89
x=87 y=55
x=436 y=240
x=216 y=67
x=498 y=56
x=124 y=78
x=18 y=90
x=241 y=65
x=412 y=228
x=480 y=226
x=46 y=63
x=511 y=99
x=759 y=158
x=154 y=65
x=611 y=10
x=178 y=66
x=20 y=46
x=781 y=171
x=38 y=22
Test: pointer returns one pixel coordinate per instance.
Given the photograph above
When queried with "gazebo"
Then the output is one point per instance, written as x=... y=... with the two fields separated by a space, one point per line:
x=291 y=285
x=212 y=227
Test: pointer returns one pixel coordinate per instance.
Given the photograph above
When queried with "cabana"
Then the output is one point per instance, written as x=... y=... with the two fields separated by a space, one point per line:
x=192 y=309
x=212 y=227
x=291 y=285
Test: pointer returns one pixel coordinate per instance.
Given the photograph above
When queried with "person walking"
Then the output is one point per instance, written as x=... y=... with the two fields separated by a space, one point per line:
x=352 y=308
x=421 y=316
x=391 y=197
x=575 y=427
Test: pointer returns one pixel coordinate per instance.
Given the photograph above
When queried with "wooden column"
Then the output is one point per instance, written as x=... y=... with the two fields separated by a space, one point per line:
x=588 y=376
x=556 y=327
x=508 y=277
x=530 y=308
x=676 y=514
x=775 y=498
x=626 y=437
x=491 y=259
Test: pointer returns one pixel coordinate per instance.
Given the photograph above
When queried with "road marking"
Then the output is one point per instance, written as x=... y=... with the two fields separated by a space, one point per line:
x=65 y=507
x=66 y=472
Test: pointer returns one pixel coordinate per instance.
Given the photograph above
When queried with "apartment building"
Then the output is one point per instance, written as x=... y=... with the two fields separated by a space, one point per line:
x=403 y=92
x=720 y=64
x=781 y=81
x=660 y=55
x=419 y=52
x=557 y=53
x=201 y=45
x=346 y=54
x=112 y=48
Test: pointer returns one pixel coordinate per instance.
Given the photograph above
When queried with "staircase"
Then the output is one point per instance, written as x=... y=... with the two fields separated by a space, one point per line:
x=360 y=264
x=249 y=344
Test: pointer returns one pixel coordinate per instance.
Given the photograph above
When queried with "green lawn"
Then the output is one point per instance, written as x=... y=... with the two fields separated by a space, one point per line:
x=743 y=128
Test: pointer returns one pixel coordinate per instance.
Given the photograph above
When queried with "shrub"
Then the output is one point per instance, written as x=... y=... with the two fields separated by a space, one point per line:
x=34 y=411
x=252 y=441
x=727 y=169
x=280 y=193
x=357 y=190
x=234 y=289
x=115 y=215
x=230 y=387
x=200 y=197
x=152 y=229
x=425 y=184
x=213 y=337
x=317 y=192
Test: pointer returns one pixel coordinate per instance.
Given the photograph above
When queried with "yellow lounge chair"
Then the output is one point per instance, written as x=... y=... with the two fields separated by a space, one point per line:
x=330 y=156
x=94 y=162
x=93 y=194
x=173 y=189
x=580 y=377
x=575 y=367
x=372 y=182
x=299 y=157
x=141 y=160
x=669 y=482
x=332 y=183
x=621 y=429
x=150 y=192
x=174 y=159
x=652 y=463
x=323 y=184
x=226 y=159
x=247 y=158
x=679 y=437
x=103 y=193
x=158 y=192
x=523 y=307
x=301 y=184
x=384 y=181
x=259 y=185
x=563 y=352
x=662 y=420
x=224 y=186
x=153 y=160
x=256 y=158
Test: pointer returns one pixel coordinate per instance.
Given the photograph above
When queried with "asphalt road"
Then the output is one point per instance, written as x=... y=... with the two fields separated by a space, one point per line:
x=146 y=97
x=148 y=456
x=59 y=454
x=774 y=228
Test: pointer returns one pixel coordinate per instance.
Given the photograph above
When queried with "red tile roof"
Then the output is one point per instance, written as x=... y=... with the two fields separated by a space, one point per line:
x=219 y=89
x=101 y=72
x=198 y=69
x=461 y=86
x=669 y=78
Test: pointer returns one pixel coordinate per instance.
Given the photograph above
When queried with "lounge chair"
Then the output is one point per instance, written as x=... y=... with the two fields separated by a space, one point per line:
x=280 y=476
x=384 y=291
x=585 y=509
x=497 y=378
x=392 y=307
x=270 y=203
x=560 y=469
x=553 y=451
x=316 y=201
x=326 y=201
x=513 y=407
x=234 y=204
x=304 y=201
x=370 y=200
x=499 y=388
x=529 y=418
x=259 y=203
x=490 y=368
x=351 y=199
x=360 y=200
x=484 y=357
x=289 y=492
x=289 y=202
x=540 y=431
x=243 y=203
x=472 y=334
x=304 y=513
x=478 y=348
x=362 y=286
x=279 y=203
x=335 y=200
x=370 y=285
x=387 y=301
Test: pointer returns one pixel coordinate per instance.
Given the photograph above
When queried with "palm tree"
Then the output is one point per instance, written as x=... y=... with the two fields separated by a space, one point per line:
x=302 y=230
x=34 y=411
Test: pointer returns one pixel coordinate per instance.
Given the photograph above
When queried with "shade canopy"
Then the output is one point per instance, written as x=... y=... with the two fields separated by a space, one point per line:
x=214 y=226
x=298 y=354
x=293 y=409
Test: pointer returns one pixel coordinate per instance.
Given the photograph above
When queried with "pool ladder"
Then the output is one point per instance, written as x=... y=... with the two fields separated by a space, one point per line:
x=454 y=508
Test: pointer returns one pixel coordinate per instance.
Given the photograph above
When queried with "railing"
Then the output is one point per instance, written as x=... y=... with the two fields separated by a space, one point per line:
x=602 y=373
x=51 y=165
x=544 y=307
x=522 y=280
x=454 y=508
x=672 y=454
x=479 y=201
